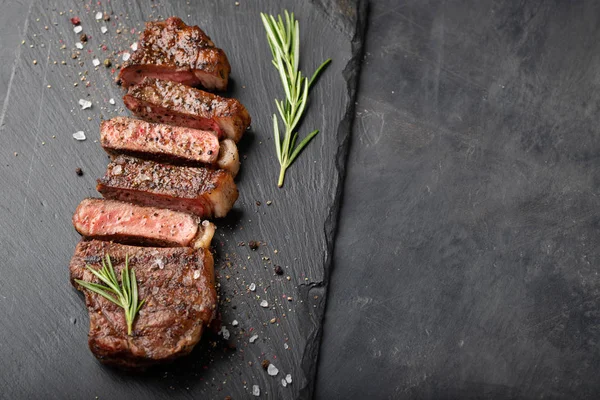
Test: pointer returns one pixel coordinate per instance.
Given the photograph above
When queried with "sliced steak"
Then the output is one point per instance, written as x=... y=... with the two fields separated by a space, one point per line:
x=172 y=50
x=177 y=287
x=201 y=191
x=128 y=223
x=168 y=143
x=172 y=103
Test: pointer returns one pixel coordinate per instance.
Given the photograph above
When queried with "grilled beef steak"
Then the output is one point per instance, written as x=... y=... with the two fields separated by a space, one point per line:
x=131 y=224
x=172 y=103
x=177 y=52
x=201 y=191
x=177 y=287
x=167 y=143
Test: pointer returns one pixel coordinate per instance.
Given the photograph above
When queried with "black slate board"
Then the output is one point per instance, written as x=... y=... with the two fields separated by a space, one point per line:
x=43 y=330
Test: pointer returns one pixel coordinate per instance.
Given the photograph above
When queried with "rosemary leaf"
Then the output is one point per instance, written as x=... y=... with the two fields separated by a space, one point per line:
x=284 y=42
x=124 y=295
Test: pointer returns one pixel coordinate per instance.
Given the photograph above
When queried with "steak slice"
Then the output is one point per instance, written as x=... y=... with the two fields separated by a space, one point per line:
x=172 y=103
x=177 y=287
x=131 y=224
x=201 y=191
x=166 y=143
x=174 y=51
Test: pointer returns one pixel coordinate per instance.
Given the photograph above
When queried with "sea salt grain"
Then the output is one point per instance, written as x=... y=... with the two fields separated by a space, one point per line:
x=253 y=339
x=234 y=322
x=283 y=383
x=255 y=390
x=252 y=287
x=96 y=62
x=99 y=15
x=79 y=135
x=134 y=46
x=112 y=101
x=288 y=378
x=272 y=370
x=264 y=304
x=126 y=56
x=196 y=274
x=157 y=261
x=85 y=104
x=103 y=29
x=225 y=332
x=79 y=45
x=77 y=29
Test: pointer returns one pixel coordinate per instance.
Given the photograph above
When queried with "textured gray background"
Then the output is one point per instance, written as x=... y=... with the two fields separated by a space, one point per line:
x=467 y=257
x=43 y=329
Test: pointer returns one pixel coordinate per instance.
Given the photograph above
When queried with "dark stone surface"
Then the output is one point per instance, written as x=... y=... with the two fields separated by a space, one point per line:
x=43 y=329
x=467 y=258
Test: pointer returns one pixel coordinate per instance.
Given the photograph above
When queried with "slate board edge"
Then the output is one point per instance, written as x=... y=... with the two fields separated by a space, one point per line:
x=351 y=75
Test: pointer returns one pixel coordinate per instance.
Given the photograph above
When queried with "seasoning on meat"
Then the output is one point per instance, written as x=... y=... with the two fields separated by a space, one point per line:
x=172 y=103
x=167 y=143
x=128 y=223
x=180 y=300
x=177 y=52
x=201 y=191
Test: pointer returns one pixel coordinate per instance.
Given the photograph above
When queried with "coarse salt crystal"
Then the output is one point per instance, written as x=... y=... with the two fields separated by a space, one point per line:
x=112 y=101
x=79 y=45
x=85 y=104
x=196 y=274
x=126 y=56
x=103 y=29
x=283 y=383
x=79 y=135
x=157 y=261
x=252 y=287
x=234 y=322
x=285 y=346
x=253 y=339
x=288 y=378
x=272 y=370
x=96 y=62
x=225 y=332
x=134 y=46
x=264 y=304
x=118 y=170
x=255 y=390
x=77 y=29
x=99 y=15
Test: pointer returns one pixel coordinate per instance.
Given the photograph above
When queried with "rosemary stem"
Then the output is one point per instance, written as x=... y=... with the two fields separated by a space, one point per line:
x=281 y=175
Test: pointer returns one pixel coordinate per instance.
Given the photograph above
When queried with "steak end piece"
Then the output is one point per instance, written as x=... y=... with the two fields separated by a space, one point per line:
x=168 y=143
x=162 y=101
x=200 y=191
x=177 y=287
x=128 y=223
x=174 y=51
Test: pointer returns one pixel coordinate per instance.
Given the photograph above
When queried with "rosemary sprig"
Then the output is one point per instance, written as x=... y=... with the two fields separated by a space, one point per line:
x=125 y=295
x=284 y=41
